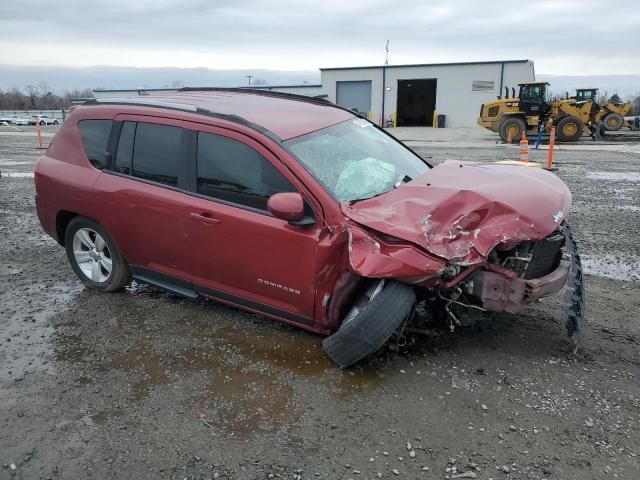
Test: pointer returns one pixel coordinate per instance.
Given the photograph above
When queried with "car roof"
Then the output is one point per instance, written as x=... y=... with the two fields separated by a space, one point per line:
x=284 y=115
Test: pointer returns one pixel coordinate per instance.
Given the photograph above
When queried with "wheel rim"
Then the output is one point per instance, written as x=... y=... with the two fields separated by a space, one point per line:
x=92 y=255
x=513 y=130
x=570 y=129
x=612 y=122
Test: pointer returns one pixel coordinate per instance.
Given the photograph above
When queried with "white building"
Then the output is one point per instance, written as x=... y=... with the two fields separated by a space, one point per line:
x=407 y=95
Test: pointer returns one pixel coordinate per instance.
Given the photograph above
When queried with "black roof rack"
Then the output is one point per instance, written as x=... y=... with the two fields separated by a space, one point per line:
x=184 y=107
x=266 y=93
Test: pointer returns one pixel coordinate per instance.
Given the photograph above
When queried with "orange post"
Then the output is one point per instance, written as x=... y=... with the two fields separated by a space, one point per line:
x=524 y=148
x=39 y=130
x=509 y=138
x=552 y=142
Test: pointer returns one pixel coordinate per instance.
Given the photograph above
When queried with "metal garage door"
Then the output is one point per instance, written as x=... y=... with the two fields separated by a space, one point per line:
x=354 y=95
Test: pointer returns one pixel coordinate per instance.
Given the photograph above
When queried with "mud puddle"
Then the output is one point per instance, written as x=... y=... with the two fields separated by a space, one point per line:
x=237 y=373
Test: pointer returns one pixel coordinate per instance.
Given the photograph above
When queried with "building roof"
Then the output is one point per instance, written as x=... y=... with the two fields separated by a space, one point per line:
x=449 y=64
x=265 y=87
x=285 y=115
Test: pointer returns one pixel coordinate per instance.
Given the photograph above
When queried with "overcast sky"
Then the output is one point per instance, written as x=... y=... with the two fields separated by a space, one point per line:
x=562 y=37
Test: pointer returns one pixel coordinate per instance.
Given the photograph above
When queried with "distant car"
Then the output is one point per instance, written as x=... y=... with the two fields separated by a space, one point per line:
x=42 y=120
x=16 y=120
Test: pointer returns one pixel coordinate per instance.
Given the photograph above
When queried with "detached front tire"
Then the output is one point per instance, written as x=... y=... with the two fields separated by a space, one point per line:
x=94 y=256
x=375 y=315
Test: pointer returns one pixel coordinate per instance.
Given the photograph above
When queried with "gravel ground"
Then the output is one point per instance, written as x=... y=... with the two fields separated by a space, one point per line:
x=141 y=384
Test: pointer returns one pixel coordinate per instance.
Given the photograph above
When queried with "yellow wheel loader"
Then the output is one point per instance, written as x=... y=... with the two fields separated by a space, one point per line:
x=610 y=114
x=511 y=116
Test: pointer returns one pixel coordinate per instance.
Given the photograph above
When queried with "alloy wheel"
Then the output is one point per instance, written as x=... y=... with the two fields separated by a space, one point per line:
x=92 y=255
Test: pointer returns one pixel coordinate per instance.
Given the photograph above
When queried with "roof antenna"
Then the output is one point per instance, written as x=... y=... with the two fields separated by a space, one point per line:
x=386 y=57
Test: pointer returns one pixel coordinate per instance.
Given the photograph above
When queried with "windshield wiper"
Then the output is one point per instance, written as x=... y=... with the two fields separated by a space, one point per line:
x=400 y=181
x=352 y=202
x=403 y=179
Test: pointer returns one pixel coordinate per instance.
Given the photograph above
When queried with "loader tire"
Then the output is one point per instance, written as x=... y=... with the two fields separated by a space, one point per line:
x=613 y=121
x=514 y=125
x=570 y=129
x=378 y=313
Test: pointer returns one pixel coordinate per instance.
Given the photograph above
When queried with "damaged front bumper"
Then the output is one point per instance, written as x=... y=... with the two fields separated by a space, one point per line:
x=501 y=290
x=501 y=293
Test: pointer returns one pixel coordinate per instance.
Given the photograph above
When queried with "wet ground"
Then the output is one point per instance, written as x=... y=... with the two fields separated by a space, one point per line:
x=142 y=384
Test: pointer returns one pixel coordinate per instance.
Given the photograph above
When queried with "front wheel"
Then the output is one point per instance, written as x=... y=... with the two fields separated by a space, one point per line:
x=374 y=317
x=94 y=256
x=512 y=127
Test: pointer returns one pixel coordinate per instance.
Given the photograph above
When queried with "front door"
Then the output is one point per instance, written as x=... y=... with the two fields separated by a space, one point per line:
x=239 y=252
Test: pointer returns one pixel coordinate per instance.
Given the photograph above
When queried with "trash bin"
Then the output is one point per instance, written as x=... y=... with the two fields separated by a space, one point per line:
x=441 y=120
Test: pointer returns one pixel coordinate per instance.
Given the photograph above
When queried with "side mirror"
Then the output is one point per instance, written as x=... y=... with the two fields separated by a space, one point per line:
x=287 y=206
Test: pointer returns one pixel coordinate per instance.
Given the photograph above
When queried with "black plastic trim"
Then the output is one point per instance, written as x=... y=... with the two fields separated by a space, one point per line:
x=192 y=291
x=166 y=282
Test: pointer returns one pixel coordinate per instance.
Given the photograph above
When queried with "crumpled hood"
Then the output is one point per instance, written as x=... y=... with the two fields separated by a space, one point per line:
x=461 y=210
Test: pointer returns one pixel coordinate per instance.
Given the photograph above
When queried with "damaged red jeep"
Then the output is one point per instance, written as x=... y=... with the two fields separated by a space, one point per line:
x=300 y=210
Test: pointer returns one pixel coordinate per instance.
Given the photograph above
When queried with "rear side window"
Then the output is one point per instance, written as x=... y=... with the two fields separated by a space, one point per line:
x=95 y=138
x=232 y=171
x=124 y=153
x=157 y=153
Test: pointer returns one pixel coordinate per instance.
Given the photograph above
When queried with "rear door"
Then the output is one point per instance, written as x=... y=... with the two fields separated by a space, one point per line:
x=140 y=200
x=243 y=254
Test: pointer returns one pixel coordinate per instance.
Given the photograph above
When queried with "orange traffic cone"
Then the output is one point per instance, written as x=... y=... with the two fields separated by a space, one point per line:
x=524 y=148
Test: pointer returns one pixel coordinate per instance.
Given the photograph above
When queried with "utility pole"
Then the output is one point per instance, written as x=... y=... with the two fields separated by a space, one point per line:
x=386 y=57
x=249 y=77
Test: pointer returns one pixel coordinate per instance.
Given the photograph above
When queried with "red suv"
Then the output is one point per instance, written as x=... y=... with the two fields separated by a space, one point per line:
x=302 y=211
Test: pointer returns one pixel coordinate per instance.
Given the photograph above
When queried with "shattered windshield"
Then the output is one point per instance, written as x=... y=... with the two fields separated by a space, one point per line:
x=354 y=160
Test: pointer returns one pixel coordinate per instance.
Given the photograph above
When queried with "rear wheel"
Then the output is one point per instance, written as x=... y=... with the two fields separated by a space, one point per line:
x=570 y=129
x=613 y=121
x=512 y=126
x=55 y=122
x=374 y=317
x=94 y=256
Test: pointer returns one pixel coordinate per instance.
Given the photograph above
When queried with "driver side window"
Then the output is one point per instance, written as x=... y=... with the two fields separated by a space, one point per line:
x=231 y=171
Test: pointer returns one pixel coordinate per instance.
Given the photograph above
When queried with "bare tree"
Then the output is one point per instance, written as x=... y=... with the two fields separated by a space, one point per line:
x=259 y=82
x=39 y=97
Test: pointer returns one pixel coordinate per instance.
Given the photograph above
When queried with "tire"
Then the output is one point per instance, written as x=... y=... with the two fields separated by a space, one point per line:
x=55 y=122
x=514 y=124
x=86 y=239
x=570 y=129
x=613 y=121
x=43 y=123
x=373 y=319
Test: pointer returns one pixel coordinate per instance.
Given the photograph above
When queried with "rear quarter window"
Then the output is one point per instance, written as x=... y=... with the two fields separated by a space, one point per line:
x=95 y=139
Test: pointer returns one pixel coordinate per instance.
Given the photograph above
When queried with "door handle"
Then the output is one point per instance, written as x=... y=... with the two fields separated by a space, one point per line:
x=204 y=217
